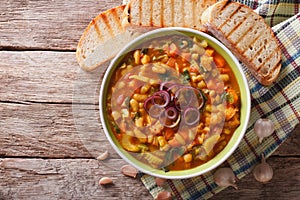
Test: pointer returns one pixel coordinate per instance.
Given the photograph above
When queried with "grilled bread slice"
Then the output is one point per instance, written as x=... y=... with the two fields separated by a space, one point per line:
x=102 y=39
x=165 y=13
x=247 y=35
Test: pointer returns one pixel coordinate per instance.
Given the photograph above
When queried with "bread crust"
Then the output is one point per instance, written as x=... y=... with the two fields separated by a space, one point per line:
x=100 y=40
x=262 y=62
x=153 y=14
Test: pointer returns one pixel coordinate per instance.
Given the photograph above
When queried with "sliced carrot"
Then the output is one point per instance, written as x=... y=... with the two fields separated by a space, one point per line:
x=171 y=62
x=219 y=60
x=209 y=52
x=224 y=70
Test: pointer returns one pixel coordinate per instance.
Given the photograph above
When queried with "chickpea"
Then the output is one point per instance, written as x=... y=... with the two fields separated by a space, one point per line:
x=195 y=56
x=197 y=78
x=201 y=84
x=145 y=88
x=187 y=158
x=150 y=139
x=224 y=77
x=134 y=105
x=145 y=59
x=116 y=115
x=139 y=122
x=137 y=57
x=139 y=97
x=208 y=108
x=227 y=131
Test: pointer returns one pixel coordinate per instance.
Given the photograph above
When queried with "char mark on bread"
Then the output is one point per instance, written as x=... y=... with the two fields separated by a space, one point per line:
x=247 y=35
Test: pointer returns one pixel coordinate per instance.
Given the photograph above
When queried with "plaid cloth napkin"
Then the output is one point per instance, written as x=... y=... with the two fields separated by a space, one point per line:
x=280 y=102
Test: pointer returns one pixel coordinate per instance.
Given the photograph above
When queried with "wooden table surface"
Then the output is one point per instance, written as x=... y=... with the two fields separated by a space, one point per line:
x=45 y=152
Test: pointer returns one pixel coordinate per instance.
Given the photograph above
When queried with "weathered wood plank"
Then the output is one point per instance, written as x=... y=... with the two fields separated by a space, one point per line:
x=66 y=179
x=49 y=131
x=78 y=179
x=45 y=76
x=47 y=24
x=291 y=147
x=284 y=185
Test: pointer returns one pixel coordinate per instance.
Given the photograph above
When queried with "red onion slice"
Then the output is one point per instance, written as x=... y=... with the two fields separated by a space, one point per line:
x=166 y=122
x=162 y=96
x=191 y=116
x=155 y=111
x=188 y=96
x=171 y=113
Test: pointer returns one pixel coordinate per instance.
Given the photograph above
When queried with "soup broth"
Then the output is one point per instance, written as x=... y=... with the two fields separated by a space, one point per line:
x=173 y=102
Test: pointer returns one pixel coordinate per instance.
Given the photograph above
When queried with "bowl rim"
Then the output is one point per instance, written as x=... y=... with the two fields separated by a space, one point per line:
x=183 y=173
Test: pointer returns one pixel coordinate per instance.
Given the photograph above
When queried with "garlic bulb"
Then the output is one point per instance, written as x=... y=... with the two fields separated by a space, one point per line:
x=263 y=172
x=225 y=177
x=263 y=128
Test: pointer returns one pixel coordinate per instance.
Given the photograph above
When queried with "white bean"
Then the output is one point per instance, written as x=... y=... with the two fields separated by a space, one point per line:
x=137 y=56
x=134 y=105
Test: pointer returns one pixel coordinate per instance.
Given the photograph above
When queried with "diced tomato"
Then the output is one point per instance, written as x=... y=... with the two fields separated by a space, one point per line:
x=171 y=62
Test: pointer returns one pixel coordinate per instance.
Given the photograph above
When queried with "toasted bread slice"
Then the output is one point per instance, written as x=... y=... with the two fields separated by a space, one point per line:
x=102 y=39
x=165 y=13
x=247 y=35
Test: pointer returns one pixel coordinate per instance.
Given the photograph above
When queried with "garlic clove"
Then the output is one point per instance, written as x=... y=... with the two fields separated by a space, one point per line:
x=160 y=181
x=225 y=177
x=105 y=181
x=263 y=128
x=164 y=195
x=103 y=156
x=128 y=170
x=263 y=172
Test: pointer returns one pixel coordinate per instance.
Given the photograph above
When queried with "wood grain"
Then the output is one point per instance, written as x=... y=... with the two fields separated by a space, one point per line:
x=50 y=131
x=49 y=120
x=47 y=77
x=47 y=24
x=66 y=179
x=37 y=76
x=78 y=179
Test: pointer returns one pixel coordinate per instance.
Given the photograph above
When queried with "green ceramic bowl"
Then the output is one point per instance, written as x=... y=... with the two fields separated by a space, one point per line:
x=234 y=141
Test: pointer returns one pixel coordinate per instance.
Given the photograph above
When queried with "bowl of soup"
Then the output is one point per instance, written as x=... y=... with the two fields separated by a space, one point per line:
x=174 y=103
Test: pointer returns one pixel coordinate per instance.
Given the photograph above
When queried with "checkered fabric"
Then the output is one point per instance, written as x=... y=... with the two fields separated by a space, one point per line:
x=279 y=102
